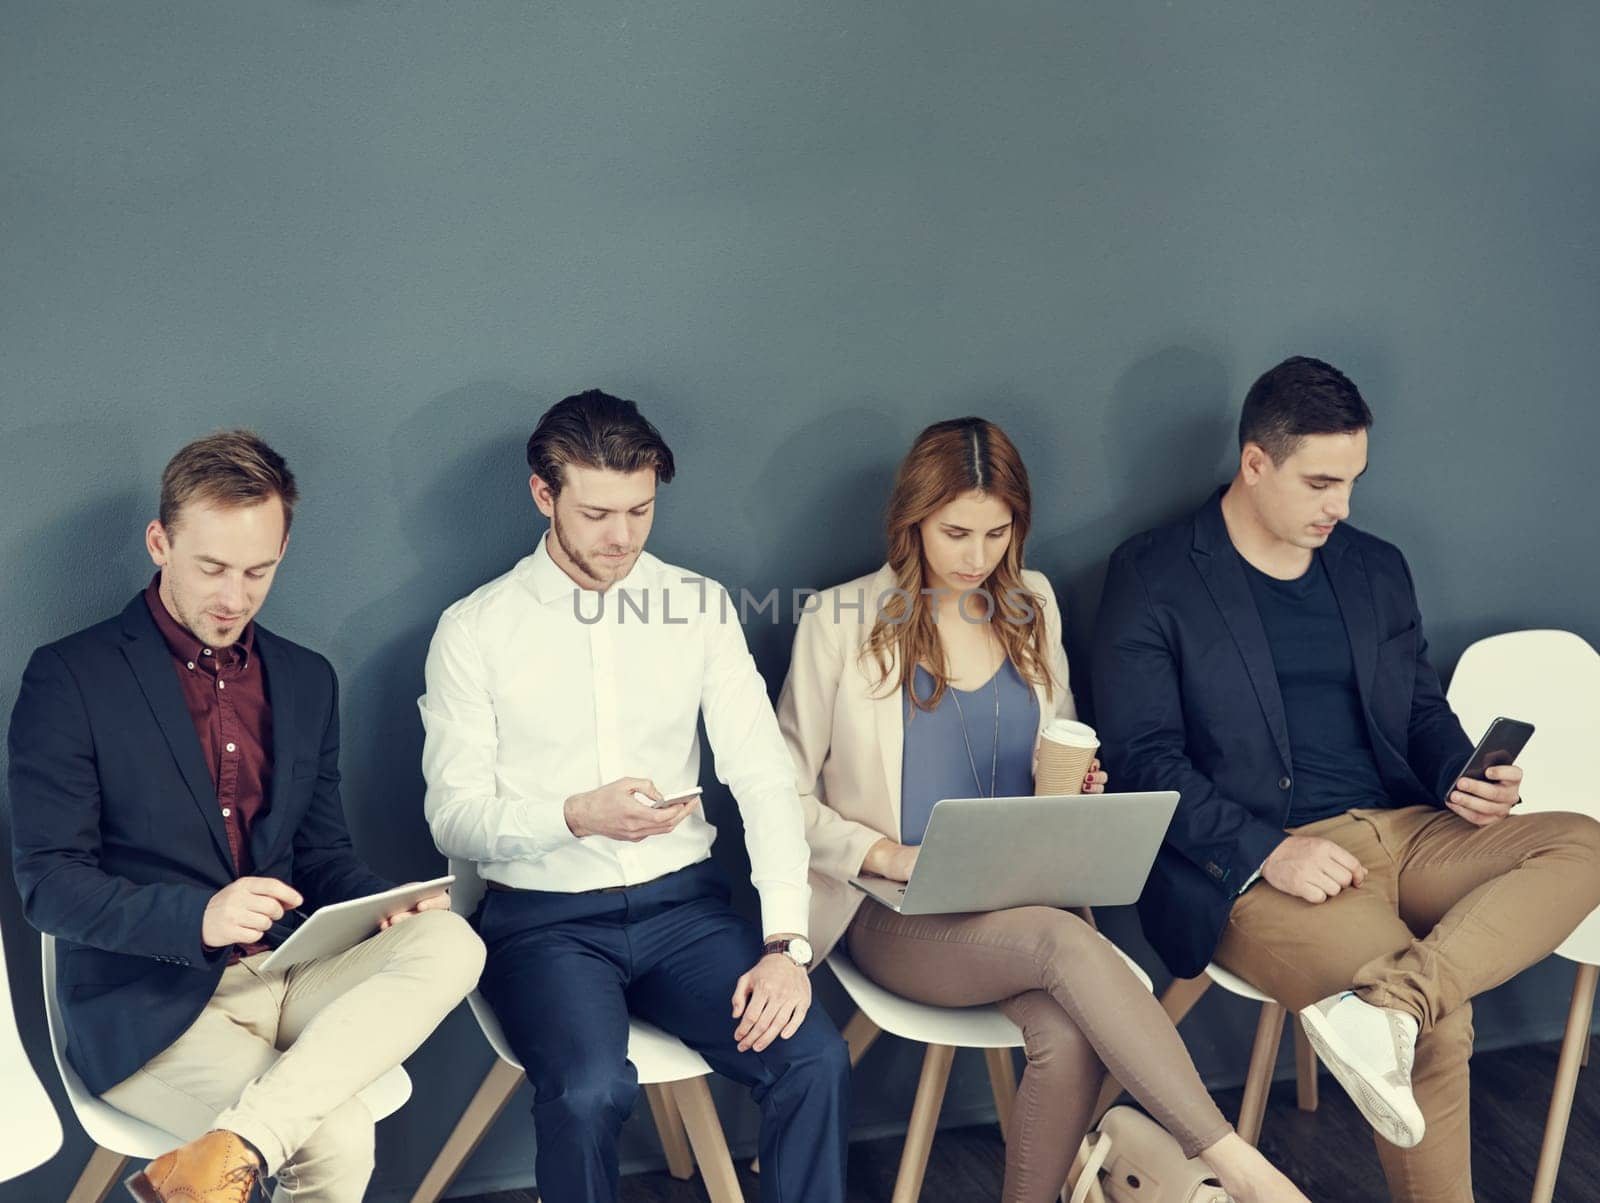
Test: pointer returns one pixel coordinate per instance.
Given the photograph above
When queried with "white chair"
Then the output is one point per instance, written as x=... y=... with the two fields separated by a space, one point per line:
x=672 y=1074
x=1552 y=680
x=118 y=1135
x=943 y=1030
x=32 y=1128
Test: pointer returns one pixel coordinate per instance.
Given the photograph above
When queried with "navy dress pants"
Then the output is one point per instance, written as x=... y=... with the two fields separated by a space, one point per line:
x=566 y=970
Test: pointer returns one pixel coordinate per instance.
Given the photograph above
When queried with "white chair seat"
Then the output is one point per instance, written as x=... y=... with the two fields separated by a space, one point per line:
x=27 y=1117
x=1548 y=678
x=1552 y=680
x=122 y=1133
x=1234 y=984
x=657 y=1056
x=962 y=1027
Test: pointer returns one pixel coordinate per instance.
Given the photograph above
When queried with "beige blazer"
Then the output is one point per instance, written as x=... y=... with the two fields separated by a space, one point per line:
x=847 y=743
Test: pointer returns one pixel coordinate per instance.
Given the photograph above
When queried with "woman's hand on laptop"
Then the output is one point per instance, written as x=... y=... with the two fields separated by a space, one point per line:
x=1095 y=781
x=889 y=859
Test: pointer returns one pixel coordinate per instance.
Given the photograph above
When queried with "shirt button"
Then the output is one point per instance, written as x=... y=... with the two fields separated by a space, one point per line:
x=230 y=747
x=222 y=685
x=191 y=666
x=226 y=812
x=1284 y=783
x=205 y=651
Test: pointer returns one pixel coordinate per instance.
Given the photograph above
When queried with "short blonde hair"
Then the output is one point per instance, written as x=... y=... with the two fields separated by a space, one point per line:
x=228 y=468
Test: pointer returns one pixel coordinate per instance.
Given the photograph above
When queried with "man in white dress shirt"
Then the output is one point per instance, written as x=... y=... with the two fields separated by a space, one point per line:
x=559 y=697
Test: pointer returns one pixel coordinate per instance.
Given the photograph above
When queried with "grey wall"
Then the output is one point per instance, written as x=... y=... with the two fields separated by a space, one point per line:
x=388 y=235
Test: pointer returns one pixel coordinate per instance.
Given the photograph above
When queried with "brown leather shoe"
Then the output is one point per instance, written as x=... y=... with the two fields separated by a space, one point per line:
x=217 y=1168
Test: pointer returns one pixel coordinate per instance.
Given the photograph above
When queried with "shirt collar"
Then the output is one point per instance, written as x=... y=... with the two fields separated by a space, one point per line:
x=548 y=580
x=182 y=642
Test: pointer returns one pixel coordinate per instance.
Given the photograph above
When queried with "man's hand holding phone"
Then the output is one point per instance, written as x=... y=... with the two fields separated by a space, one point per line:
x=1482 y=803
x=614 y=811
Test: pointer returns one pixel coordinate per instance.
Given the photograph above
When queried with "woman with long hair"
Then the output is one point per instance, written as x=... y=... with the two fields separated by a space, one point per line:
x=933 y=678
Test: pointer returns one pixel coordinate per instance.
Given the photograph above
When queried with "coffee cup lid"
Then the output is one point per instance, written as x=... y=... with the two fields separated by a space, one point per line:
x=1072 y=733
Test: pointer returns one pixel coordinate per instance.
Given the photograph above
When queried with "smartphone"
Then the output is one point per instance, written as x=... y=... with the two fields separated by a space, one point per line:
x=1502 y=743
x=669 y=799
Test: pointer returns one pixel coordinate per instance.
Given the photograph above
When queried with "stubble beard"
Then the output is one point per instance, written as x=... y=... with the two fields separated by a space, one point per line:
x=595 y=572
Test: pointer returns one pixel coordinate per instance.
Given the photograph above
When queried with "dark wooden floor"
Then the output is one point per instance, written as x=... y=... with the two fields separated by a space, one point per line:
x=1329 y=1153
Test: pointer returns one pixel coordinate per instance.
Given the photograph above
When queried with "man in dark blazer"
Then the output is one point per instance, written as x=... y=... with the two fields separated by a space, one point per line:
x=174 y=780
x=1267 y=661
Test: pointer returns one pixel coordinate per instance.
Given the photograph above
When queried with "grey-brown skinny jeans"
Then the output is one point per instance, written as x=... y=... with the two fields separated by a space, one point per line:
x=1081 y=1010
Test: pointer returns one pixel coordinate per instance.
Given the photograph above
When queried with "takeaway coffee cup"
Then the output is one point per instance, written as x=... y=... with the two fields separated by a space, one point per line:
x=1065 y=753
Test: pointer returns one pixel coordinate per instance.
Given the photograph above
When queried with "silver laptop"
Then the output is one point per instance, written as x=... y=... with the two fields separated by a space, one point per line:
x=988 y=854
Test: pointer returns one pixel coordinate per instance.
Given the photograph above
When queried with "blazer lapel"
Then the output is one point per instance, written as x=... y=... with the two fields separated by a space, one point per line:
x=278 y=673
x=888 y=706
x=151 y=661
x=1222 y=570
x=1354 y=593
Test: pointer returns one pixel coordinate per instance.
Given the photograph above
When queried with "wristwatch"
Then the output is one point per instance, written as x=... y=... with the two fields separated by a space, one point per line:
x=796 y=948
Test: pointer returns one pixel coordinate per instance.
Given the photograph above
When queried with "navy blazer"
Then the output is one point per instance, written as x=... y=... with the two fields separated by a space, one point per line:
x=118 y=838
x=1186 y=698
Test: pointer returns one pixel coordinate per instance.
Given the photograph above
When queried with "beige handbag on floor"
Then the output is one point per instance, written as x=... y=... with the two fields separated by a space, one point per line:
x=1133 y=1159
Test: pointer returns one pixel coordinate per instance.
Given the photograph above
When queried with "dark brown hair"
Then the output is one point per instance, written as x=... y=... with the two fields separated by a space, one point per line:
x=596 y=430
x=1300 y=396
x=228 y=468
x=947 y=460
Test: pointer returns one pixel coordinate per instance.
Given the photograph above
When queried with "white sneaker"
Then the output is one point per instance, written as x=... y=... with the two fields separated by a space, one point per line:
x=1370 y=1050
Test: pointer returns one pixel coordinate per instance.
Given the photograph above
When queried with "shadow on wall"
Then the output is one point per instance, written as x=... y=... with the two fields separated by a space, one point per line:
x=459 y=480
x=814 y=517
x=1166 y=442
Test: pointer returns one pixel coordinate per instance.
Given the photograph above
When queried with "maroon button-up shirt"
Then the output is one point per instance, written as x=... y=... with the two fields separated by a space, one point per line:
x=226 y=694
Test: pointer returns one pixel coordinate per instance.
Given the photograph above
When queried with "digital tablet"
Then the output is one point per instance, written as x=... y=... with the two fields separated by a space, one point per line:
x=340 y=926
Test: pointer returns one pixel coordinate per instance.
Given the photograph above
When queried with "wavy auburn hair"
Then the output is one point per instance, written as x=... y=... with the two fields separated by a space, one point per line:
x=947 y=460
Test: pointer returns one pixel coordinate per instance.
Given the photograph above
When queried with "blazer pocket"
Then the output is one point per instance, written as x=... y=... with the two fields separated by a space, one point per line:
x=1399 y=641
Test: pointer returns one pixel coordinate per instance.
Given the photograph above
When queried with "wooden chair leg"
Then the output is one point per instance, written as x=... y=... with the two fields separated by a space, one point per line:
x=499 y=1084
x=1178 y=1001
x=98 y=1177
x=693 y=1099
x=924 y=1119
x=1305 y=1068
x=859 y=1035
x=1003 y=1082
x=1263 y=1057
x=669 y=1127
x=1555 y=1127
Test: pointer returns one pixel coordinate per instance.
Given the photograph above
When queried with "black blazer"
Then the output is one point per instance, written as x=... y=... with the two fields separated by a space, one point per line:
x=118 y=838
x=1186 y=698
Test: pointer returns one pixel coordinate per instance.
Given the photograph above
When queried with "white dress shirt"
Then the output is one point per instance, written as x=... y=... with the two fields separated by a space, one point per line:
x=530 y=700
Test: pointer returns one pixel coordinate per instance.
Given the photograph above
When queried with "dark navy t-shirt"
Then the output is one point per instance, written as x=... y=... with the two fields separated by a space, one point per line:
x=1334 y=769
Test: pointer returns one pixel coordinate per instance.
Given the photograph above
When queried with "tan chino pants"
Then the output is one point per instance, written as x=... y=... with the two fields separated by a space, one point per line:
x=1448 y=910
x=278 y=1057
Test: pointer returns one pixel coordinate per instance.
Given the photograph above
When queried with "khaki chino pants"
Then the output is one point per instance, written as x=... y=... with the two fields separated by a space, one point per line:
x=1448 y=911
x=278 y=1057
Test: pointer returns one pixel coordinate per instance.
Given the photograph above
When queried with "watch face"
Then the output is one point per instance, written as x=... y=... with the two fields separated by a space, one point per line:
x=800 y=950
